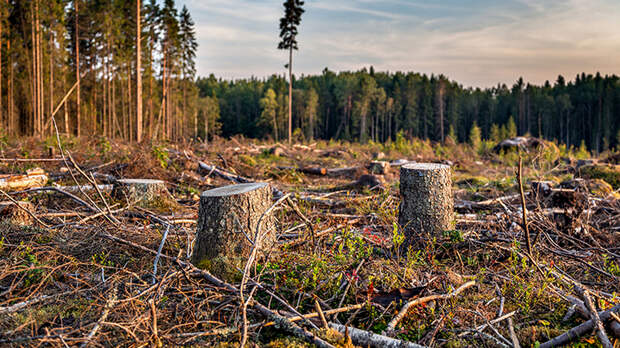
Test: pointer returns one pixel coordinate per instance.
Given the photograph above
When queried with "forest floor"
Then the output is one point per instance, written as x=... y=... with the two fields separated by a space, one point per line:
x=80 y=270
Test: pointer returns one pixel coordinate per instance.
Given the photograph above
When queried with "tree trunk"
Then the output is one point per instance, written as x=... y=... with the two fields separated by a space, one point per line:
x=290 y=95
x=427 y=203
x=138 y=72
x=35 y=109
x=77 y=68
x=228 y=217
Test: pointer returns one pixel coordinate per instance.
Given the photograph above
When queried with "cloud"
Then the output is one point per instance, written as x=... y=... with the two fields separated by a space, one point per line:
x=476 y=42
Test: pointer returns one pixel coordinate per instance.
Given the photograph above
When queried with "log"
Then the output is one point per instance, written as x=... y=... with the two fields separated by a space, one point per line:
x=146 y=193
x=427 y=205
x=33 y=178
x=227 y=227
x=368 y=339
x=579 y=330
x=306 y=170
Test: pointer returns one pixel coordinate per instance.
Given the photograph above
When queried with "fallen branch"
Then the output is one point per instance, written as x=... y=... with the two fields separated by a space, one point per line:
x=392 y=324
x=368 y=339
x=579 y=330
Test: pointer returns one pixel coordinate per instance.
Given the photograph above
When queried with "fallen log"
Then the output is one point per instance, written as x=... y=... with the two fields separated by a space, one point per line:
x=368 y=339
x=207 y=170
x=306 y=170
x=33 y=178
x=579 y=330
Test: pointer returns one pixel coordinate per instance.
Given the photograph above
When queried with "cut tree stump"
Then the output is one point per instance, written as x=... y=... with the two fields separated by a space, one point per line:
x=146 y=193
x=379 y=167
x=227 y=227
x=427 y=205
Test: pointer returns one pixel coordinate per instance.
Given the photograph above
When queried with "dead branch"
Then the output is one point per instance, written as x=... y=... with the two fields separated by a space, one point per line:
x=392 y=324
x=368 y=339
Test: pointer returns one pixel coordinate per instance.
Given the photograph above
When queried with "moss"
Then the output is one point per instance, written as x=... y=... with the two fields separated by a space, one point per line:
x=223 y=267
x=247 y=160
x=469 y=181
x=608 y=173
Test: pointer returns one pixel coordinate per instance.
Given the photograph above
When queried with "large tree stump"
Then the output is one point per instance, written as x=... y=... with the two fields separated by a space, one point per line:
x=227 y=221
x=146 y=193
x=427 y=205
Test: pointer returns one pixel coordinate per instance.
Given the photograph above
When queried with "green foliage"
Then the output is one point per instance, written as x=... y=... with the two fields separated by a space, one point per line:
x=582 y=152
x=475 y=136
x=511 y=128
x=496 y=135
x=162 y=156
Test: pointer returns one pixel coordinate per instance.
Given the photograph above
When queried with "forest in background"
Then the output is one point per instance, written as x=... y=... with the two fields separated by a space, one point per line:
x=112 y=94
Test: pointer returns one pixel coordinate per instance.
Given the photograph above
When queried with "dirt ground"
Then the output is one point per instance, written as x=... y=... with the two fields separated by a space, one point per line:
x=80 y=270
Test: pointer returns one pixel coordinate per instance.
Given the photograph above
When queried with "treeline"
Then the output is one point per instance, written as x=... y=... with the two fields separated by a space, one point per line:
x=368 y=105
x=79 y=61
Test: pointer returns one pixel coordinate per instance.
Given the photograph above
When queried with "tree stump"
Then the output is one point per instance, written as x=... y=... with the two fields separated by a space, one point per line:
x=427 y=205
x=146 y=193
x=378 y=167
x=227 y=221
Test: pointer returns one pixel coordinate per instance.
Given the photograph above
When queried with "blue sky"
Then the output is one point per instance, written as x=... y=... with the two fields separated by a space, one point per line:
x=476 y=42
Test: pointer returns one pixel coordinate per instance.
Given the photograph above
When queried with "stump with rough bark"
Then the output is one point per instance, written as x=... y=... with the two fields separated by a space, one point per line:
x=227 y=227
x=427 y=205
x=146 y=193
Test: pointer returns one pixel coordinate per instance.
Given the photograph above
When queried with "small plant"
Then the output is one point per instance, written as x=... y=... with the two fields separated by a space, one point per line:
x=161 y=155
x=398 y=238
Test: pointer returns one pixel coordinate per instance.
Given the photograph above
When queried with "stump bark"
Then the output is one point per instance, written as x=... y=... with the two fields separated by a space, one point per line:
x=427 y=205
x=227 y=221
x=146 y=193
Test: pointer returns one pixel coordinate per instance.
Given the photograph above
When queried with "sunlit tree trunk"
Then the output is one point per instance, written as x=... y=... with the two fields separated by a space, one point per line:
x=77 y=68
x=138 y=72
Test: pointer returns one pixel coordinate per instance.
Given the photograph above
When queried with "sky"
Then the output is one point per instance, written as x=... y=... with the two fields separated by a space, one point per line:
x=478 y=43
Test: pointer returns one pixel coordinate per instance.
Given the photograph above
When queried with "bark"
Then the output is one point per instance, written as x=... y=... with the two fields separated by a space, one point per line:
x=368 y=339
x=228 y=226
x=290 y=95
x=138 y=73
x=144 y=192
x=33 y=178
x=427 y=205
x=77 y=68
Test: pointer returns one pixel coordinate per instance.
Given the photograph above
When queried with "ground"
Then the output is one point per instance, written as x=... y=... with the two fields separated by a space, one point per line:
x=87 y=277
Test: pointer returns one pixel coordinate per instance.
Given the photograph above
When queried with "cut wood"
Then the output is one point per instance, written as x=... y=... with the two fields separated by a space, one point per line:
x=146 y=193
x=427 y=205
x=207 y=170
x=227 y=222
x=368 y=339
x=579 y=330
x=33 y=178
